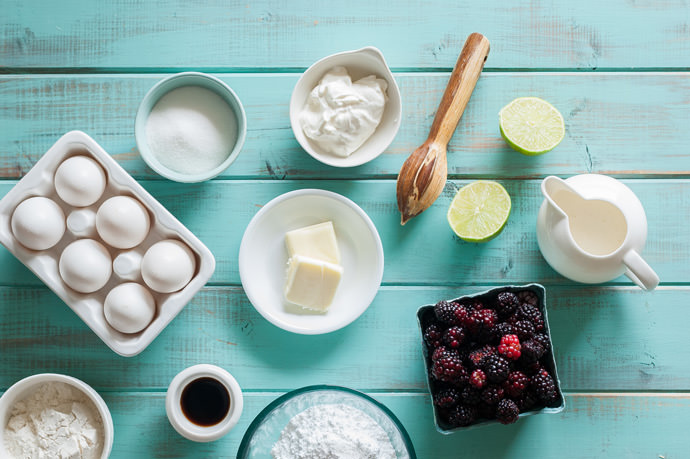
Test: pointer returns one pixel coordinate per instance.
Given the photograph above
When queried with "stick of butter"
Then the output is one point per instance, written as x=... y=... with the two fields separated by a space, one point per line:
x=315 y=241
x=311 y=283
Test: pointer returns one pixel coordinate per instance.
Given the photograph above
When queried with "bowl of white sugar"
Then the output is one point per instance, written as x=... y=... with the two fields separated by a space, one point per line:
x=326 y=421
x=190 y=127
x=54 y=415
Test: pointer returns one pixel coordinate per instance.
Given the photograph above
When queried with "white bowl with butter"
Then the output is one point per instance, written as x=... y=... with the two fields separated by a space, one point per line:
x=359 y=64
x=263 y=260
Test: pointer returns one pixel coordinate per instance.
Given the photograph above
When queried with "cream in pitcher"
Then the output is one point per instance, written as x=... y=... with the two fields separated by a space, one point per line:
x=591 y=228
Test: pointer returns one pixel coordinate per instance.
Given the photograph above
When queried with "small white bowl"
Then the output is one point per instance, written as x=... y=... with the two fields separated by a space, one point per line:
x=24 y=387
x=263 y=259
x=171 y=83
x=184 y=426
x=359 y=63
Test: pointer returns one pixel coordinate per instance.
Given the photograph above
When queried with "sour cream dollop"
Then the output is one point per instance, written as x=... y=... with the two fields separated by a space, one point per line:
x=340 y=115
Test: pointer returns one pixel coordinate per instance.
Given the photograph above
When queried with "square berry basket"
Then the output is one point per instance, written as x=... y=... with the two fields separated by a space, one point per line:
x=531 y=387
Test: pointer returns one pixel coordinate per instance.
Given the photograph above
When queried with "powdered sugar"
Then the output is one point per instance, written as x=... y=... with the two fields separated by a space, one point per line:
x=333 y=431
x=56 y=421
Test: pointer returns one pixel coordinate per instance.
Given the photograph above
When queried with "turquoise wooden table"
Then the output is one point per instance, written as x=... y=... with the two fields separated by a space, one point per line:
x=617 y=70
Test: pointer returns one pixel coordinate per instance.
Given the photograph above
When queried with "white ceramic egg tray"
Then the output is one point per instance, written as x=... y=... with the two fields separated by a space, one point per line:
x=89 y=307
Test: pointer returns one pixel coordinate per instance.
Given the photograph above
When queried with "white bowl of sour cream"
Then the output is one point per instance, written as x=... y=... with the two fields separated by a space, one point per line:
x=338 y=120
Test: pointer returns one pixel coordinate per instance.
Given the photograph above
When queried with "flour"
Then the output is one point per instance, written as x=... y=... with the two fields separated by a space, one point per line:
x=191 y=130
x=56 y=421
x=334 y=431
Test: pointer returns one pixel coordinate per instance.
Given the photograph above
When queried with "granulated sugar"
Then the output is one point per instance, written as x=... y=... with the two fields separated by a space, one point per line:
x=191 y=130
x=334 y=431
x=56 y=421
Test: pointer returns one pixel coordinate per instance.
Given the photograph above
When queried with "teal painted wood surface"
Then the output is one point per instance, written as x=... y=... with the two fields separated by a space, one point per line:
x=425 y=251
x=605 y=338
x=617 y=70
x=129 y=35
x=623 y=124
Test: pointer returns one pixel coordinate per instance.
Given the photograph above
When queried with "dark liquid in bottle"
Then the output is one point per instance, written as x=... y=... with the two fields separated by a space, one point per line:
x=205 y=401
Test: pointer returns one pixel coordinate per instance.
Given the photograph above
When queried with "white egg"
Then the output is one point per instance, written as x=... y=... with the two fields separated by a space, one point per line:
x=168 y=266
x=129 y=307
x=122 y=222
x=85 y=265
x=38 y=223
x=79 y=181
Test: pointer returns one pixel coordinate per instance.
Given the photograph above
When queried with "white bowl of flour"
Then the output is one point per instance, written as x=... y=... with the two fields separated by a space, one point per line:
x=326 y=421
x=56 y=416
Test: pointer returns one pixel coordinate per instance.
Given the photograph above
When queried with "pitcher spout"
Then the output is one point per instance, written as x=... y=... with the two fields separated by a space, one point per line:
x=551 y=188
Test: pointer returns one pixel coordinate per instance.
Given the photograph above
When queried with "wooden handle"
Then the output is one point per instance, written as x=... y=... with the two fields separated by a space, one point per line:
x=460 y=86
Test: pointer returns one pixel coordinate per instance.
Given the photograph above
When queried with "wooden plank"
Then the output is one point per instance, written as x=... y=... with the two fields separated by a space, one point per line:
x=425 y=251
x=593 y=425
x=236 y=35
x=623 y=124
x=605 y=339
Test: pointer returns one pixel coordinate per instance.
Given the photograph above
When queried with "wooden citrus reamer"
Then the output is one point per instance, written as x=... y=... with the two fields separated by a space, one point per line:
x=424 y=173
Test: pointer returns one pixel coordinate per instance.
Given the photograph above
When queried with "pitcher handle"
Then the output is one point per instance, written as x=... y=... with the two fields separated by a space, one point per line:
x=639 y=271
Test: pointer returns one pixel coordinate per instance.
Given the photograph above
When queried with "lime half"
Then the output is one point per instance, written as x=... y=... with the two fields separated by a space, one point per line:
x=531 y=125
x=479 y=211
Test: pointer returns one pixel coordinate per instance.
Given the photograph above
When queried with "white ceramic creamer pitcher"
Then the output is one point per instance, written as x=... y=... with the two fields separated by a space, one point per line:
x=591 y=228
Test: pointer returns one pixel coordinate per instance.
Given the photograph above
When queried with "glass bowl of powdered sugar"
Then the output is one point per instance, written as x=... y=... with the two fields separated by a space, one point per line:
x=53 y=415
x=190 y=127
x=326 y=421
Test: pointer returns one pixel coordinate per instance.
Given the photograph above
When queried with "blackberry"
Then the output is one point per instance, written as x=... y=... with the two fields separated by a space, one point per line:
x=543 y=339
x=510 y=347
x=481 y=320
x=439 y=352
x=516 y=384
x=470 y=396
x=491 y=395
x=502 y=329
x=528 y=297
x=445 y=312
x=531 y=351
x=453 y=337
x=449 y=368
x=533 y=369
x=433 y=335
x=478 y=378
x=532 y=314
x=512 y=320
x=472 y=305
x=507 y=411
x=496 y=368
x=524 y=329
x=544 y=387
x=476 y=357
x=462 y=416
x=460 y=312
x=462 y=353
x=526 y=401
x=506 y=303
x=447 y=398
